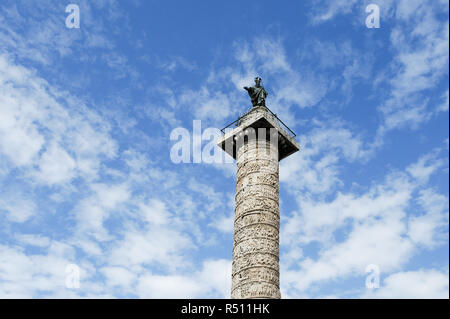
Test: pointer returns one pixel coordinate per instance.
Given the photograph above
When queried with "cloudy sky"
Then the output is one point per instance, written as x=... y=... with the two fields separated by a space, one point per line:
x=86 y=114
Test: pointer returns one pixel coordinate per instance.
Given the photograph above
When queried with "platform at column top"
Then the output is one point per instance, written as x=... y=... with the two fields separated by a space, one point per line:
x=260 y=117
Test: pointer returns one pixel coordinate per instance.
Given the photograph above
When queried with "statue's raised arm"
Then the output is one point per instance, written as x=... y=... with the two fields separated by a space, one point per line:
x=257 y=93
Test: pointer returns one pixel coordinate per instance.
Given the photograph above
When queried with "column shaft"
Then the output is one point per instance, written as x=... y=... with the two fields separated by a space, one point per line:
x=255 y=270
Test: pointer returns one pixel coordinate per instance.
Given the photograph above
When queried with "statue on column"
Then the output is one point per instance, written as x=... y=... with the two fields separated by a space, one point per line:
x=257 y=93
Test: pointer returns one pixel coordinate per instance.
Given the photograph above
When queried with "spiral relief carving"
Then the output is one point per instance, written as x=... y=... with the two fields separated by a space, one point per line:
x=255 y=269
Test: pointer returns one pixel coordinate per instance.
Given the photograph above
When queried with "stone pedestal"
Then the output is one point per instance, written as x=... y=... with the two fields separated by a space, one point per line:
x=257 y=144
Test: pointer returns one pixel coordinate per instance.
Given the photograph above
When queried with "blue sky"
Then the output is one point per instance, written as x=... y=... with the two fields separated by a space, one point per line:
x=86 y=115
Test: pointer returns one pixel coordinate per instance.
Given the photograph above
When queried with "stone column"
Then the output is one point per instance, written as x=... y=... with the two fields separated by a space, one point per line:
x=255 y=270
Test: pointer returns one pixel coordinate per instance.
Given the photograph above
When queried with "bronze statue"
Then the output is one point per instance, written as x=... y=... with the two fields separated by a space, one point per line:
x=257 y=93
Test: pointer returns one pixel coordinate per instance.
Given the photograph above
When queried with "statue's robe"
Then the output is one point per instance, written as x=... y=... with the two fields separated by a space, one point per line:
x=258 y=95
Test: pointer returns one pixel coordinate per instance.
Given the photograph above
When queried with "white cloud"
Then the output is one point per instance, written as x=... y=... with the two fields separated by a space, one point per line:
x=213 y=280
x=33 y=240
x=444 y=106
x=36 y=32
x=18 y=209
x=375 y=227
x=419 y=40
x=429 y=228
x=214 y=199
x=315 y=167
x=118 y=276
x=27 y=276
x=94 y=210
x=421 y=284
x=46 y=132
x=175 y=286
x=331 y=9
x=207 y=103
x=155 y=212
x=425 y=167
x=177 y=62
x=224 y=223
x=155 y=246
x=420 y=62
x=156 y=237
x=55 y=166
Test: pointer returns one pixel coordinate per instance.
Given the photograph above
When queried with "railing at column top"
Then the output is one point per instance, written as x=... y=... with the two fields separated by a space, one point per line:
x=280 y=121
